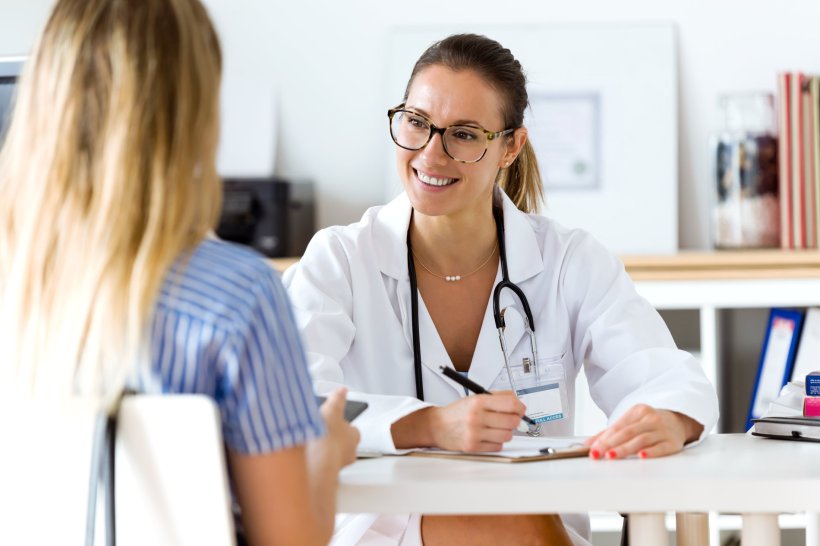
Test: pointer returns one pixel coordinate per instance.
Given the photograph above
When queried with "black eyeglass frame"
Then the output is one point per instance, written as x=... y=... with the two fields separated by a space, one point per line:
x=441 y=130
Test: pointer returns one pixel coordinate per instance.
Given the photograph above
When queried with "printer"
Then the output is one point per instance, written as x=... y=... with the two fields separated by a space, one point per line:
x=273 y=215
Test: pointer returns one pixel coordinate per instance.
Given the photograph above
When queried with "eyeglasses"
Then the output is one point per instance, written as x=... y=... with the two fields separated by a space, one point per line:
x=464 y=143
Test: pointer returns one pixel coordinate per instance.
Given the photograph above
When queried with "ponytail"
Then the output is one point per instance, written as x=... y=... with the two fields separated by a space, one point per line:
x=521 y=181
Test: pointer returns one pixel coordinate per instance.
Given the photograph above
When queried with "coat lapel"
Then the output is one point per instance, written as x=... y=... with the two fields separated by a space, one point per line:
x=390 y=237
x=390 y=248
x=524 y=254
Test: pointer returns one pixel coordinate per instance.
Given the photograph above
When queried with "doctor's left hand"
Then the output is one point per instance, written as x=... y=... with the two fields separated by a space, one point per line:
x=646 y=432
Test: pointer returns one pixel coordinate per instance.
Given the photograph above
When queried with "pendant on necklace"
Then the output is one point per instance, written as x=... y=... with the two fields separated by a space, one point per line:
x=452 y=278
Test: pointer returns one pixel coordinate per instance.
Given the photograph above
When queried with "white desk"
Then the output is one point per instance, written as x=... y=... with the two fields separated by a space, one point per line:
x=727 y=473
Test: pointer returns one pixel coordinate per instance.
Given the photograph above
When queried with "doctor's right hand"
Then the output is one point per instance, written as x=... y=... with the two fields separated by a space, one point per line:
x=476 y=423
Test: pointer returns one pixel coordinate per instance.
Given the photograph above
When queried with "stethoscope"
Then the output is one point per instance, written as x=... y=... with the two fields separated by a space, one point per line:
x=498 y=313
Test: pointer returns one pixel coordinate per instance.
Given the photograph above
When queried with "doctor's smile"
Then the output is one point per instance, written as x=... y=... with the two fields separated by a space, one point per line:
x=433 y=180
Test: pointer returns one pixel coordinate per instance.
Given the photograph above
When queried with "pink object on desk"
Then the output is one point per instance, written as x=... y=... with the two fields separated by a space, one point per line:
x=813 y=384
x=811 y=406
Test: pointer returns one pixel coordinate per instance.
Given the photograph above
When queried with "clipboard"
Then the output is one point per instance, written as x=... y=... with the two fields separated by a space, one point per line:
x=521 y=449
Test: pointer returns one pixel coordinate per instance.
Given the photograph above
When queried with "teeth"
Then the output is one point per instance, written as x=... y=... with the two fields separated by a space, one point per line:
x=433 y=181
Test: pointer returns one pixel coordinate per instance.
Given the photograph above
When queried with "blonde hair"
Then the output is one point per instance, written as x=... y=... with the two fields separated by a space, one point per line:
x=107 y=176
x=499 y=68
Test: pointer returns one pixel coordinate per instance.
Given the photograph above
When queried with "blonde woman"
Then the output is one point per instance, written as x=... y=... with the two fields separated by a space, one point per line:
x=108 y=277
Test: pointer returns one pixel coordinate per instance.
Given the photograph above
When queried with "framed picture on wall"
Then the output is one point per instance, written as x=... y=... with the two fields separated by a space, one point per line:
x=565 y=132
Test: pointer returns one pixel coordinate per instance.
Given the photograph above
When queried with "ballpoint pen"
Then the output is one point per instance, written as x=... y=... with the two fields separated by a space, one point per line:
x=474 y=387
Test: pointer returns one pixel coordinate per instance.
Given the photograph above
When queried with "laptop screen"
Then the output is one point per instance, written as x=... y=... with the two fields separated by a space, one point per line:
x=7 y=85
x=10 y=68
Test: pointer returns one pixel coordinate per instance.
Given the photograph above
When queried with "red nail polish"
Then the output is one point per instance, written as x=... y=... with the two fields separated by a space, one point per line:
x=595 y=454
x=642 y=454
x=611 y=454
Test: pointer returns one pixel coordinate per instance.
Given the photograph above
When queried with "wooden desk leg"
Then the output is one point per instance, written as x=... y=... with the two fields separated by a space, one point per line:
x=692 y=529
x=648 y=529
x=813 y=529
x=760 y=530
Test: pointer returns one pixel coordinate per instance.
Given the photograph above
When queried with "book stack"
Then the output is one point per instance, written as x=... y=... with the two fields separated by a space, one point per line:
x=799 y=159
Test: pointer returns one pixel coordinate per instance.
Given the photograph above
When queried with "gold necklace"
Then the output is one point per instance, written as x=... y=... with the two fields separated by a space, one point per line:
x=454 y=278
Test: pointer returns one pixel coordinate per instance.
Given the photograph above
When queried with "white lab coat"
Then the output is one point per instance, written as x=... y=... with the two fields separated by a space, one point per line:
x=351 y=297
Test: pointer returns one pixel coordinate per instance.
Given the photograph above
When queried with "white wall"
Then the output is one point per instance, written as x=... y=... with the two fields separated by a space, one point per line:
x=326 y=60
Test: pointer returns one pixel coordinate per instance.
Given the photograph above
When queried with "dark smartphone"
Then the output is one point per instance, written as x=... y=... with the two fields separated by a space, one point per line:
x=352 y=408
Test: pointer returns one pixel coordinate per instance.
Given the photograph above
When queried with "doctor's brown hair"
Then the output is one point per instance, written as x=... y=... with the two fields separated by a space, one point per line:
x=521 y=181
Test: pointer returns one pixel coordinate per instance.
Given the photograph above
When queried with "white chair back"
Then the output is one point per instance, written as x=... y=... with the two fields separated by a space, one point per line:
x=171 y=480
x=44 y=472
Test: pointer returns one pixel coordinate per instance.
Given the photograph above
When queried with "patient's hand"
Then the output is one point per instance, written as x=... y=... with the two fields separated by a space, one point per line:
x=341 y=439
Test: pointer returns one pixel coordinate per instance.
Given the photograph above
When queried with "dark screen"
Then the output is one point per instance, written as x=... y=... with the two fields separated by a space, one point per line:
x=7 y=85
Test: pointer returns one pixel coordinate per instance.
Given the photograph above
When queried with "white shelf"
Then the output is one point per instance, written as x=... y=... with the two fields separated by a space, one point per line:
x=730 y=293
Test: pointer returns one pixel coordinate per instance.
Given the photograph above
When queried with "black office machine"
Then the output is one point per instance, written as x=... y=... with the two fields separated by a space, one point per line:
x=272 y=215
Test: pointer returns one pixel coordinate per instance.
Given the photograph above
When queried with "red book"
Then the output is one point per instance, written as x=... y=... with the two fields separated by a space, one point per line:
x=784 y=159
x=810 y=184
x=796 y=168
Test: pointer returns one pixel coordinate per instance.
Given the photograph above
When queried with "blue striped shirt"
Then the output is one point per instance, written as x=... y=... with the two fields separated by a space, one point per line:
x=223 y=327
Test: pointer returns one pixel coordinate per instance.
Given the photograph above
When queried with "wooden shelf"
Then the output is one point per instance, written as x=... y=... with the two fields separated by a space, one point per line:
x=280 y=264
x=716 y=265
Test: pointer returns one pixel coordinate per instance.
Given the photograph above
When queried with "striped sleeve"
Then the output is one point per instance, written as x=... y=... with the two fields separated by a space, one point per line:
x=268 y=399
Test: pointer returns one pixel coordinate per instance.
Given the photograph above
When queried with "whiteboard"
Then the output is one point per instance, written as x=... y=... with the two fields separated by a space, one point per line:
x=632 y=70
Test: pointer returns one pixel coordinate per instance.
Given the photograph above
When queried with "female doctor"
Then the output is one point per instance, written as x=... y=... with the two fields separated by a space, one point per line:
x=434 y=278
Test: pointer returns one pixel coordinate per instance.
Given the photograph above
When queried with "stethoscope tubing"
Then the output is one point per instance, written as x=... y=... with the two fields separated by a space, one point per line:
x=498 y=316
x=414 y=310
